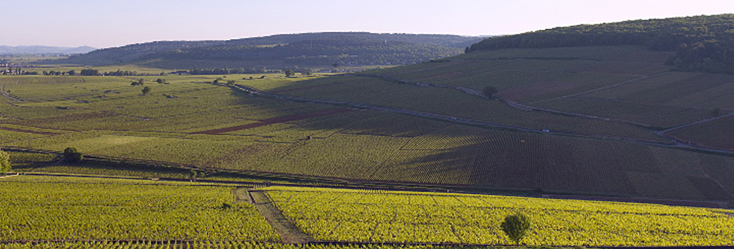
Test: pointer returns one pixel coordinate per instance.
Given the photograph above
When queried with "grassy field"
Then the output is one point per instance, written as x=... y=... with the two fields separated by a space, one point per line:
x=392 y=216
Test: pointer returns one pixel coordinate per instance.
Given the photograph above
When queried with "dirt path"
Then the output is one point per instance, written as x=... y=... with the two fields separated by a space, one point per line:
x=27 y=131
x=1 y=176
x=8 y=95
x=287 y=230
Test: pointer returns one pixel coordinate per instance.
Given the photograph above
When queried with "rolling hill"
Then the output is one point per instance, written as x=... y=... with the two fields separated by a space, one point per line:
x=282 y=51
x=37 y=50
x=612 y=120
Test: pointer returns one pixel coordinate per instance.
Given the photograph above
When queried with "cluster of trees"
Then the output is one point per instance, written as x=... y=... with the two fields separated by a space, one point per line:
x=701 y=43
x=218 y=71
x=57 y=73
x=89 y=72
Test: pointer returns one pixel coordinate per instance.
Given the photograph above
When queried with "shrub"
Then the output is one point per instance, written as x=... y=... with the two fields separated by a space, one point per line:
x=5 y=166
x=490 y=91
x=515 y=226
x=72 y=156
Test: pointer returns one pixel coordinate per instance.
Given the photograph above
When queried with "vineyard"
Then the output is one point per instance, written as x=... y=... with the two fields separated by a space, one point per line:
x=80 y=209
x=392 y=216
x=419 y=134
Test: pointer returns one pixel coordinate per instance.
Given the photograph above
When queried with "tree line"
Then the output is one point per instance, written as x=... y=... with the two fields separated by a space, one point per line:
x=701 y=43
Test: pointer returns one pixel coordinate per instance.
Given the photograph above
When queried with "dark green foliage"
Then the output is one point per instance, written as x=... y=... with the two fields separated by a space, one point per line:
x=5 y=166
x=89 y=72
x=716 y=112
x=289 y=73
x=146 y=90
x=515 y=226
x=71 y=155
x=490 y=91
x=701 y=43
x=160 y=81
x=226 y=205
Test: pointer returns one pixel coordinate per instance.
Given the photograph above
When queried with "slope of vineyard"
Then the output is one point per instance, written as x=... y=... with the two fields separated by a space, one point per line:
x=212 y=127
x=392 y=216
x=78 y=209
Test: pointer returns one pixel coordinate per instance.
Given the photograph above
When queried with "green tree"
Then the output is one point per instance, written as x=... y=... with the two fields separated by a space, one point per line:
x=290 y=73
x=141 y=82
x=515 y=226
x=5 y=166
x=490 y=91
x=160 y=81
x=71 y=72
x=716 y=112
x=146 y=90
x=71 y=155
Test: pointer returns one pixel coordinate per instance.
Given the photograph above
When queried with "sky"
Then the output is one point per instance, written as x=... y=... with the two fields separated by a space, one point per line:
x=112 y=23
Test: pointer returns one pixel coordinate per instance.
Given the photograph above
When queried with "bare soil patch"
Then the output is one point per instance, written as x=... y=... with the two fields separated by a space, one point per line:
x=270 y=121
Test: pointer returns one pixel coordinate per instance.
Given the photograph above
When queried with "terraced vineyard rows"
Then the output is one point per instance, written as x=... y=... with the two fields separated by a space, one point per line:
x=376 y=216
x=68 y=209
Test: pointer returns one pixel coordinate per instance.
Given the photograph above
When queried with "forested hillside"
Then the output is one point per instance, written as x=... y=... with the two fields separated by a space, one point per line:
x=701 y=43
x=284 y=51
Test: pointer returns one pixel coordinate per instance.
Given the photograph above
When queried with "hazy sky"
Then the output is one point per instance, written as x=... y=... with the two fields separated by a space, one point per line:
x=111 y=23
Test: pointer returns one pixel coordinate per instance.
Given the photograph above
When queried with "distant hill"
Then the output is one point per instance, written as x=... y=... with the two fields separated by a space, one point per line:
x=37 y=50
x=281 y=51
x=701 y=43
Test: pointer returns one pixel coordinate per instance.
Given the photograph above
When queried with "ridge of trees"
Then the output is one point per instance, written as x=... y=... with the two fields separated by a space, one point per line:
x=283 y=51
x=701 y=43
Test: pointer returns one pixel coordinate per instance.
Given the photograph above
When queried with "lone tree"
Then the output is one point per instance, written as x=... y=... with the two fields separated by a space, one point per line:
x=72 y=156
x=490 y=91
x=4 y=163
x=515 y=226
x=290 y=73
x=146 y=90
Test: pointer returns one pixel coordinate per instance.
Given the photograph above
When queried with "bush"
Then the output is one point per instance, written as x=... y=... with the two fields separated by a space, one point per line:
x=5 y=166
x=515 y=226
x=72 y=156
x=490 y=91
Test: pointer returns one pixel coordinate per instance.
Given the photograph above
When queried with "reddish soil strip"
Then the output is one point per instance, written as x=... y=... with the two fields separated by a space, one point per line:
x=270 y=121
x=32 y=132
x=308 y=87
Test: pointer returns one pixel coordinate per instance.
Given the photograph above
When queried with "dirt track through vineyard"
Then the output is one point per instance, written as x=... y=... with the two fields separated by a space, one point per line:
x=32 y=132
x=289 y=233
